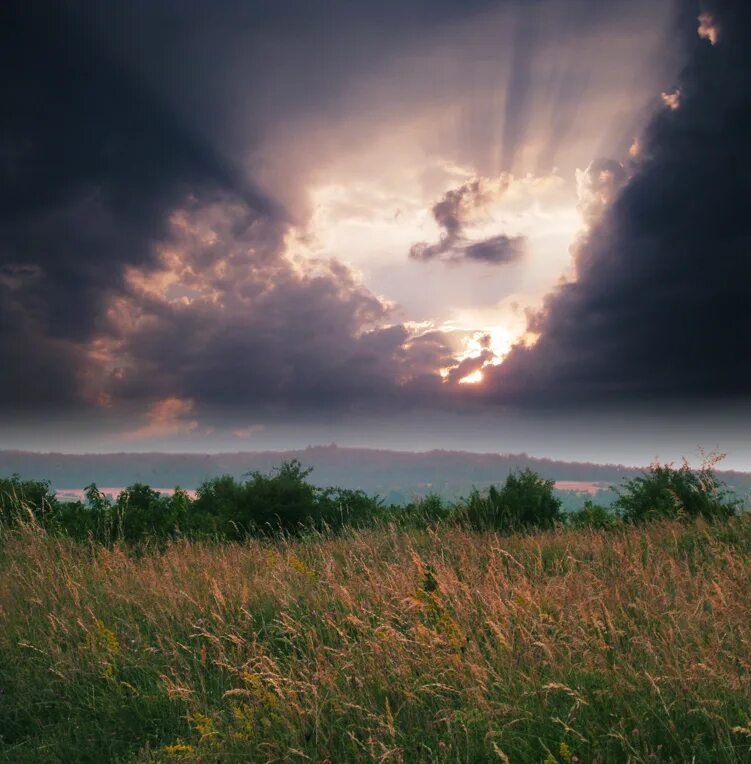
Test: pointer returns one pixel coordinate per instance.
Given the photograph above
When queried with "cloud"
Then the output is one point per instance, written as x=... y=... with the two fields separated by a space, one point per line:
x=459 y=208
x=170 y=416
x=469 y=366
x=708 y=29
x=140 y=268
x=461 y=205
x=90 y=163
x=249 y=431
x=15 y=276
x=657 y=310
x=597 y=186
x=672 y=100
x=496 y=249
x=225 y=318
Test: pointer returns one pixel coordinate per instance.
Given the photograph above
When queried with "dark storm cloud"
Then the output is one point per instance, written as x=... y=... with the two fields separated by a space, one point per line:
x=454 y=211
x=660 y=304
x=257 y=329
x=90 y=164
x=111 y=121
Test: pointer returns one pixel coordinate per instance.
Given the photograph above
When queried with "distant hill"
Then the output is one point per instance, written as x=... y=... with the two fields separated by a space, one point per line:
x=395 y=475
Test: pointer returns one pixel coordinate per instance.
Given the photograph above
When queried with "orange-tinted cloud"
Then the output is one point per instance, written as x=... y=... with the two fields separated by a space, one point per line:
x=170 y=416
x=708 y=29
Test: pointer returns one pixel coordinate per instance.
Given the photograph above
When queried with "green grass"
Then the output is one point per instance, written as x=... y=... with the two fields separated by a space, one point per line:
x=381 y=645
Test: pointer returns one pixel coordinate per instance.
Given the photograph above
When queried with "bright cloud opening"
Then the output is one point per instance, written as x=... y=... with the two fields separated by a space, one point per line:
x=472 y=379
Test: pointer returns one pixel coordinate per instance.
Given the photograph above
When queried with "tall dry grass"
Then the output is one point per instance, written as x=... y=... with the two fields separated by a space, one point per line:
x=381 y=646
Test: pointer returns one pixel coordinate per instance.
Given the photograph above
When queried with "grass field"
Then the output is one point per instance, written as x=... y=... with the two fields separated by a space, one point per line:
x=381 y=645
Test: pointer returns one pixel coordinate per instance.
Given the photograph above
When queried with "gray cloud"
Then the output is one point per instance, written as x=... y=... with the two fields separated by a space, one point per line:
x=597 y=186
x=460 y=207
x=225 y=318
x=658 y=308
x=90 y=165
x=496 y=249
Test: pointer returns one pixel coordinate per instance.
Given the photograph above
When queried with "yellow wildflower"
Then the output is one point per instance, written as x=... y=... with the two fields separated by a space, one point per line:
x=203 y=724
x=107 y=637
x=178 y=749
x=301 y=567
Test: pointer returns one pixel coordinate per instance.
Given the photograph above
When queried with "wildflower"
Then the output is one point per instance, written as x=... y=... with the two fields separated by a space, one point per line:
x=451 y=630
x=258 y=689
x=178 y=749
x=565 y=751
x=107 y=637
x=204 y=724
x=301 y=567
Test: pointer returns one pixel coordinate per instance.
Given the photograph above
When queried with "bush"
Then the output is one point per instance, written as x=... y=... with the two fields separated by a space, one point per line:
x=593 y=516
x=338 y=507
x=25 y=499
x=526 y=501
x=82 y=521
x=144 y=514
x=426 y=512
x=665 y=491
x=280 y=501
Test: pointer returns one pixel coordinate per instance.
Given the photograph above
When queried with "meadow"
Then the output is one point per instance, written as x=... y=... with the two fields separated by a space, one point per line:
x=389 y=644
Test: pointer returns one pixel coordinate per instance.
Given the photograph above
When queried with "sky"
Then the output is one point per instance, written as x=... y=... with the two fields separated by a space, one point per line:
x=486 y=225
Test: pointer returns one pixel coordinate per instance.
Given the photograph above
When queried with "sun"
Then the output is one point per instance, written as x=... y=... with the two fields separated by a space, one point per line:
x=472 y=379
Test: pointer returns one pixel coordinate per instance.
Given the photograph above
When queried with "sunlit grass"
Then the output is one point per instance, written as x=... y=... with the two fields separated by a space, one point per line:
x=381 y=645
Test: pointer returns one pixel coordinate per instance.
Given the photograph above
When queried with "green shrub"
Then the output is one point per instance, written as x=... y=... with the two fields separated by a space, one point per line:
x=144 y=514
x=425 y=512
x=526 y=501
x=337 y=507
x=25 y=499
x=665 y=491
x=81 y=522
x=269 y=503
x=93 y=519
x=593 y=516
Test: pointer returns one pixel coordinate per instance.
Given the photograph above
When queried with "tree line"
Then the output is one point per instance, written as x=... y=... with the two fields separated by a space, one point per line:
x=283 y=501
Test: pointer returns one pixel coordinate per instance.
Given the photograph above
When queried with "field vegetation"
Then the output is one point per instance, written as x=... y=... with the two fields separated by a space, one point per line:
x=266 y=620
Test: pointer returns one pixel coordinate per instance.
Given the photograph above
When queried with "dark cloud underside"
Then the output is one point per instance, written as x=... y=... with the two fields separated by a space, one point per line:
x=90 y=166
x=660 y=304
